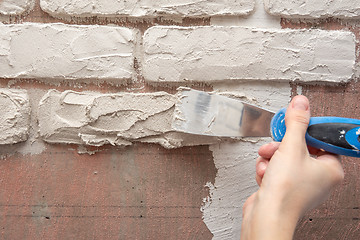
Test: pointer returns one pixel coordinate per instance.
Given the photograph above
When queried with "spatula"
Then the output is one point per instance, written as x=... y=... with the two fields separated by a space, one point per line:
x=210 y=114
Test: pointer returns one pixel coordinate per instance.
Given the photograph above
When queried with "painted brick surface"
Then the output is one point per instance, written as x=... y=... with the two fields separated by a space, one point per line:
x=15 y=7
x=145 y=8
x=314 y=8
x=65 y=51
x=210 y=54
x=14 y=116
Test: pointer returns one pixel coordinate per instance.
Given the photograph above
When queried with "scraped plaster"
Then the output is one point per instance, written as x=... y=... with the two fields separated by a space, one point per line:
x=239 y=53
x=145 y=8
x=78 y=52
x=15 y=7
x=235 y=162
x=258 y=18
x=119 y=119
x=14 y=116
x=314 y=8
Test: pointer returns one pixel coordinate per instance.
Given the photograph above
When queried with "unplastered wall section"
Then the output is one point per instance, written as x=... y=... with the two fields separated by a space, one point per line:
x=241 y=49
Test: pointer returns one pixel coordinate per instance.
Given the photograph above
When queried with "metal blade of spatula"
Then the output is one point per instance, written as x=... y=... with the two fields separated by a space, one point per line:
x=209 y=114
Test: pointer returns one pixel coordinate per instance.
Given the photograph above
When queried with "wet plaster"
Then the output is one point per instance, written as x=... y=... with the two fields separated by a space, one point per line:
x=258 y=18
x=147 y=9
x=235 y=162
x=346 y=9
x=14 y=116
x=308 y=55
x=31 y=50
x=32 y=145
x=119 y=119
x=15 y=7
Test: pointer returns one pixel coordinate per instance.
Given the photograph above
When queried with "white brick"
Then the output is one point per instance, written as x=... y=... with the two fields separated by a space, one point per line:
x=314 y=8
x=210 y=54
x=119 y=119
x=146 y=8
x=64 y=51
x=14 y=116
x=15 y=7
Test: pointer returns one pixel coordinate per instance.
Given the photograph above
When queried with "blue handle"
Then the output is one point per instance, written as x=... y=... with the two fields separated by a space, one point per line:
x=332 y=134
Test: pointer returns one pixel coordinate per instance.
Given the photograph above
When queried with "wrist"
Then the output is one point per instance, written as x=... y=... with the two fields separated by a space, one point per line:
x=269 y=219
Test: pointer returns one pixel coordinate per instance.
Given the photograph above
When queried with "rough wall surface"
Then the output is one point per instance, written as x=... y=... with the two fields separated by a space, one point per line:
x=14 y=116
x=87 y=94
x=15 y=7
x=118 y=119
x=314 y=8
x=232 y=53
x=65 y=51
x=144 y=8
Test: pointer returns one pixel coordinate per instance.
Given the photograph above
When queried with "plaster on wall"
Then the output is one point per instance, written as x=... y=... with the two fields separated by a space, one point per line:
x=238 y=54
x=15 y=7
x=145 y=8
x=14 y=116
x=235 y=162
x=31 y=50
x=95 y=119
x=314 y=8
x=258 y=18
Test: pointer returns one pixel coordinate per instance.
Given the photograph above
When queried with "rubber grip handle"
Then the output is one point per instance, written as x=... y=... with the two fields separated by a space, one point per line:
x=332 y=134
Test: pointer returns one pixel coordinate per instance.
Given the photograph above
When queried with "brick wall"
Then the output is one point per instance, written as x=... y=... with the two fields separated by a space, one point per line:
x=105 y=72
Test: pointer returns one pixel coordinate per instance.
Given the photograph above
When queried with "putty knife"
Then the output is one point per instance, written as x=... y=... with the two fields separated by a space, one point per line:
x=211 y=114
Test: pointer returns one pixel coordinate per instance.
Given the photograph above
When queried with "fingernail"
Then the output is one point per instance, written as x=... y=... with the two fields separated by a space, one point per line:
x=300 y=103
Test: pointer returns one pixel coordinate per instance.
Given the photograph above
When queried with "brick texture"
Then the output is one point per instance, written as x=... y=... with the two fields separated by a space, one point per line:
x=314 y=8
x=210 y=54
x=144 y=8
x=14 y=116
x=66 y=51
x=15 y=7
x=79 y=78
x=118 y=119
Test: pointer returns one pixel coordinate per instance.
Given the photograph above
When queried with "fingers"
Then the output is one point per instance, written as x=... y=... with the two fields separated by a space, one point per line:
x=268 y=150
x=261 y=165
x=297 y=119
x=265 y=152
x=332 y=162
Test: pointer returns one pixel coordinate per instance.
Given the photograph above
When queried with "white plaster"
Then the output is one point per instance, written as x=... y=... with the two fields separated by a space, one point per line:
x=270 y=95
x=33 y=145
x=89 y=118
x=14 y=116
x=213 y=53
x=15 y=7
x=235 y=163
x=234 y=183
x=146 y=8
x=314 y=8
x=258 y=18
x=60 y=51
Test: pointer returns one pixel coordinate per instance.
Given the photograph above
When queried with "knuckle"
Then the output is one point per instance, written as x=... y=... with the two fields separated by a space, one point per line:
x=297 y=118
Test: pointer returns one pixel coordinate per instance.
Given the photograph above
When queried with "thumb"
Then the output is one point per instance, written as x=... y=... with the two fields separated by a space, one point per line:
x=297 y=119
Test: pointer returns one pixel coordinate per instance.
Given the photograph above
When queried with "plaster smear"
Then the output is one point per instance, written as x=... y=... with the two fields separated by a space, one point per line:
x=314 y=8
x=258 y=18
x=15 y=7
x=14 y=116
x=235 y=162
x=32 y=50
x=145 y=8
x=95 y=119
x=182 y=54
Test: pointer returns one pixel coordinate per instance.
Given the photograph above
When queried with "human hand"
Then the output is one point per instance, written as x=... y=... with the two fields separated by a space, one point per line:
x=291 y=180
